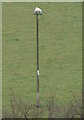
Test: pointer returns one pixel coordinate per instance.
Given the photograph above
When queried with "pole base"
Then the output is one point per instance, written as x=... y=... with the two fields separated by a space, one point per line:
x=37 y=106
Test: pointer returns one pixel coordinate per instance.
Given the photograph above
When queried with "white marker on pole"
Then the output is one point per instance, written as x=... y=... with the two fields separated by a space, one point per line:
x=37 y=72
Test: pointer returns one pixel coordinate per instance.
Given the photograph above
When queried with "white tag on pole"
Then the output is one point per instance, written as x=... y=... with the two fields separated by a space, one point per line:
x=37 y=72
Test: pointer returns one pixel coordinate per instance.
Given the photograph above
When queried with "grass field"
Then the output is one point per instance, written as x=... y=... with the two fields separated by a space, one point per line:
x=60 y=50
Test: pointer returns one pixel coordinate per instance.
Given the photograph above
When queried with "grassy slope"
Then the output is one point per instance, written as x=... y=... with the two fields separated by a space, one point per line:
x=60 y=44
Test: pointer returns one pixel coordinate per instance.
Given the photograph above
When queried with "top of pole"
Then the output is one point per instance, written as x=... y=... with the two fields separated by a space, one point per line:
x=37 y=11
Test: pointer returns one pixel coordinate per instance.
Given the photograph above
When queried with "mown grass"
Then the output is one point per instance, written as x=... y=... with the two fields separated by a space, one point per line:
x=60 y=50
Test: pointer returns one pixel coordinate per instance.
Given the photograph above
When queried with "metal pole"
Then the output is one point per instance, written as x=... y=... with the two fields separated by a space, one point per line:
x=37 y=63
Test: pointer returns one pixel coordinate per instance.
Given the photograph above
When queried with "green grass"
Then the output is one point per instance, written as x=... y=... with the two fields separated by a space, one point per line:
x=60 y=49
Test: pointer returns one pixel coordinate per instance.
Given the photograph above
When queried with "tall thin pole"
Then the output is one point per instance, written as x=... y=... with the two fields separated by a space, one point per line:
x=37 y=63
